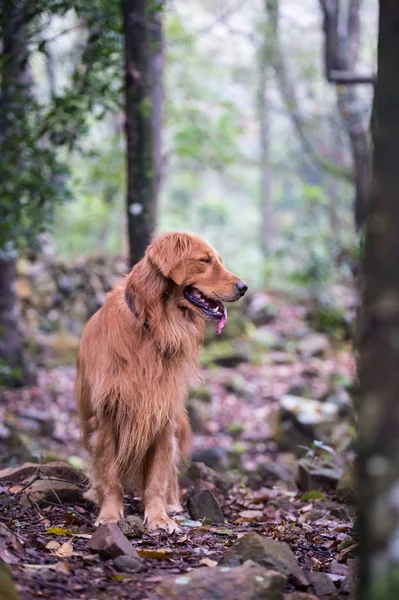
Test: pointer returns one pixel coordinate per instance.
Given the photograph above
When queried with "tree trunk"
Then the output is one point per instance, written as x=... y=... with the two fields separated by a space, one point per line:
x=267 y=217
x=13 y=367
x=342 y=37
x=14 y=87
x=158 y=59
x=141 y=169
x=378 y=484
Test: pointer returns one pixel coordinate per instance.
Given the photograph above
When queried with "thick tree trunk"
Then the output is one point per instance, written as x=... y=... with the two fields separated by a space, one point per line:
x=378 y=485
x=13 y=368
x=141 y=168
x=267 y=216
x=14 y=87
x=158 y=59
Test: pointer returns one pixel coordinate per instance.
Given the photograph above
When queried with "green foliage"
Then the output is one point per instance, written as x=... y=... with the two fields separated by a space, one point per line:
x=33 y=175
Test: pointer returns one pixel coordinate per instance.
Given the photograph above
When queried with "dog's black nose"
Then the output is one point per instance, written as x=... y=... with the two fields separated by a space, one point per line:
x=241 y=287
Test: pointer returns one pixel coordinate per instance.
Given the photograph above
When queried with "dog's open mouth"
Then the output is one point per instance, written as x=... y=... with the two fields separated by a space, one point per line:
x=211 y=308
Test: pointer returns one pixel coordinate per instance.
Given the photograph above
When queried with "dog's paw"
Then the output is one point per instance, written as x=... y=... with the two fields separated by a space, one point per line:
x=162 y=522
x=174 y=509
x=105 y=519
x=108 y=516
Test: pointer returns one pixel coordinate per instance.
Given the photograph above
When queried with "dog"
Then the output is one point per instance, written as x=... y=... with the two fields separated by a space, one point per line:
x=135 y=360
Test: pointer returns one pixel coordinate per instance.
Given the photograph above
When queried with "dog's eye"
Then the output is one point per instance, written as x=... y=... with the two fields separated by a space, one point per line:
x=206 y=259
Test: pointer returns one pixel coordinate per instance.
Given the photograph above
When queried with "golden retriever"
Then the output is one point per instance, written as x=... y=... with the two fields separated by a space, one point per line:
x=135 y=360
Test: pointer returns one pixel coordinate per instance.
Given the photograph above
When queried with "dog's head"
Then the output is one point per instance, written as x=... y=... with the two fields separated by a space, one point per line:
x=197 y=271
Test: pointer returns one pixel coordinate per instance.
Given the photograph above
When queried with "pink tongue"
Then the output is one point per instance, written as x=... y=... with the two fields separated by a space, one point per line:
x=222 y=322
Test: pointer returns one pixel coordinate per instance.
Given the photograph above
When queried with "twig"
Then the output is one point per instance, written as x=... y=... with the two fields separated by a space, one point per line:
x=69 y=510
x=14 y=496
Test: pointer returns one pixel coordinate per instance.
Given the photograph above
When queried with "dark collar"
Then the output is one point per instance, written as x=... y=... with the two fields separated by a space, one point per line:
x=129 y=298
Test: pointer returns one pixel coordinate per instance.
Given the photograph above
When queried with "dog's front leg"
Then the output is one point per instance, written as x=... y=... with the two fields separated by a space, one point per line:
x=156 y=479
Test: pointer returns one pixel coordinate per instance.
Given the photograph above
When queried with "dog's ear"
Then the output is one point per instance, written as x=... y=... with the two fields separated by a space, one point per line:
x=167 y=254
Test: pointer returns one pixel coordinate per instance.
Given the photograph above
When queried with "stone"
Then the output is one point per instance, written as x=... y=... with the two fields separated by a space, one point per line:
x=109 y=541
x=53 y=490
x=321 y=583
x=200 y=485
x=132 y=527
x=205 y=506
x=246 y=582
x=227 y=354
x=261 y=309
x=237 y=384
x=43 y=419
x=197 y=470
x=198 y=413
x=310 y=477
x=268 y=553
x=303 y=420
x=128 y=564
x=313 y=344
x=264 y=339
x=28 y=470
x=201 y=392
x=215 y=457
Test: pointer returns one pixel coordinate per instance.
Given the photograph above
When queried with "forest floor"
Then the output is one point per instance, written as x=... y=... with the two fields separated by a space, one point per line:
x=252 y=419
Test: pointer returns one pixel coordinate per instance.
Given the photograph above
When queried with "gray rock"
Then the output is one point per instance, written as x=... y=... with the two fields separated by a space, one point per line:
x=313 y=344
x=247 y=582
x=303 y=420
x=42 y=418
x=132 y=527
x=261 y=309
x=321 y=583
x=52 y=469
x=198 y=413
x=205 y=506
x=216 y=458
x=197 y=470
x=201 y=485
x=268 y=553
x=264 y=339
x=53 y=491
x=126 y=564
x=309 y=477
x=109 y=541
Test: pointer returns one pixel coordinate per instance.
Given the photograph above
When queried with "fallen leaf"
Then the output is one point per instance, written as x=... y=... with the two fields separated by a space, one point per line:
x=251 y=515
x=182 y=539
x=53 y=545
x=161 y=554
x=15 y=489
x=66 y=549
x=85 y=536
x=59 y=531
x=223 y=531
x=190 y=523
x=207 y=562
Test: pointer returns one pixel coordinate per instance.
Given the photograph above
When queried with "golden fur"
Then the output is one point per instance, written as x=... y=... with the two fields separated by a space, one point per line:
x=133 y=369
